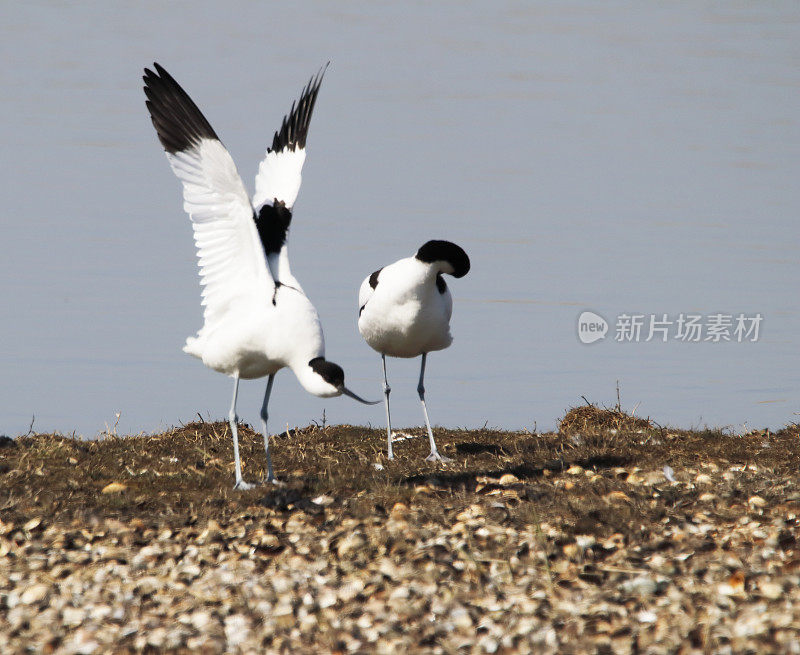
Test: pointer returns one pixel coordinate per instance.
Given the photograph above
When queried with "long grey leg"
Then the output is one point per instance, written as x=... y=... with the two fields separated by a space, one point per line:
x=264 y=417
x=232 y=418
x=421 y=391
x=386 y=391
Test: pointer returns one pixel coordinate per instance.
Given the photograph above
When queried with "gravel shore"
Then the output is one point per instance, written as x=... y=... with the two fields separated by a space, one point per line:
x=612 y=535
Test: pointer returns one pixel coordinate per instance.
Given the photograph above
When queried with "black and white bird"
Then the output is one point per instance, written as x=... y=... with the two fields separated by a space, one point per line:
x=257 y=320
x=404 y=311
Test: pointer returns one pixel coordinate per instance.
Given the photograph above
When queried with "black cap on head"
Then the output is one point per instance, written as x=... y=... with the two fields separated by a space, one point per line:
x=328 y=371
x=334 y=375
x=445 y=251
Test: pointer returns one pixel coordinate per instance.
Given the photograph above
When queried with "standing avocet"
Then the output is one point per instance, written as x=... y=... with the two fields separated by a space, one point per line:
x=257 y=320
x=404 y=311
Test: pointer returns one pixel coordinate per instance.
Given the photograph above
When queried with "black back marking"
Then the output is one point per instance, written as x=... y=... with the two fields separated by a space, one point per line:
x=330 y=372
x=440 y=283
x=445 y=251
x=294 y=128
x=373 y=282
x=373 y=279
x=178 y=122
x=273 y=223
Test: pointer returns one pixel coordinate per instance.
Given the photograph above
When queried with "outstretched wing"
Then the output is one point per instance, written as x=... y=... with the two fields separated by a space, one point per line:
x=228 y=247
x=279 y=177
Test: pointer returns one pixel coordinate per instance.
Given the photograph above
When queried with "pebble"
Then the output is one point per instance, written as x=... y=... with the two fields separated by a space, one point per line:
x=350 y=544
x=617 y=497
x=114 y=488
x=634 y=478
x=327 y=599
x=72 y=616
x=456 y=571
x=460 y=618
x=399 y=510
x=641 y=585
x=771 y=590
x=32 y=524
x=647 y=616
x=237 y=630
x=34 y=594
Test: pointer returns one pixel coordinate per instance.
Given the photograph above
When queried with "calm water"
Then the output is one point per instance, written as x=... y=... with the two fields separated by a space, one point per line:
x=614 y=157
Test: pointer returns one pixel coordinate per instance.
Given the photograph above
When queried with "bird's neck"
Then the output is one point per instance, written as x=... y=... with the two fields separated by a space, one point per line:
x=310 y=380
x=420 y=272
x=281 y=272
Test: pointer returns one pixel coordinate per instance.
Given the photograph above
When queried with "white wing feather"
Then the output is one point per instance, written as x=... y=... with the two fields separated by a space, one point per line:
x=231 y=259
x=279 y=177
x=280 y=172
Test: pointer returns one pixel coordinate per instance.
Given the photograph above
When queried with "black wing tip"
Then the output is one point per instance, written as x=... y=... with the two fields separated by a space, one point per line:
x=294 y=128
x=178 y=121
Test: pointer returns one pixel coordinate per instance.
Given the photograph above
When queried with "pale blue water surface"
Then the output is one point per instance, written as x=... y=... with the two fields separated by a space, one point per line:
x=616 y=157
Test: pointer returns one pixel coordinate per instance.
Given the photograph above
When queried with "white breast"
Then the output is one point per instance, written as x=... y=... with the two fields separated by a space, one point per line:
x=256 y=338
x=405 y=315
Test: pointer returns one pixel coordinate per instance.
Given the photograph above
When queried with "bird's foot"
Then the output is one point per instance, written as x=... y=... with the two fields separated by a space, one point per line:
x=274 y=481
x=241 y=485
x=436 y=457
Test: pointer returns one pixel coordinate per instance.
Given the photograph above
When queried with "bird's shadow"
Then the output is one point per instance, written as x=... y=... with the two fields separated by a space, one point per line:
x=469 y=479
x=476 y=448
x=287 y=499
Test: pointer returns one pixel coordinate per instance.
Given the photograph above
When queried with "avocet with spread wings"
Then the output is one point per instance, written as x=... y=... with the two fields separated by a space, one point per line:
x=257 y=319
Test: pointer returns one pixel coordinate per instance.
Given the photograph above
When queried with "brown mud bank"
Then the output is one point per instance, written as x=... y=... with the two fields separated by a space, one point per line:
x=611 y=535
